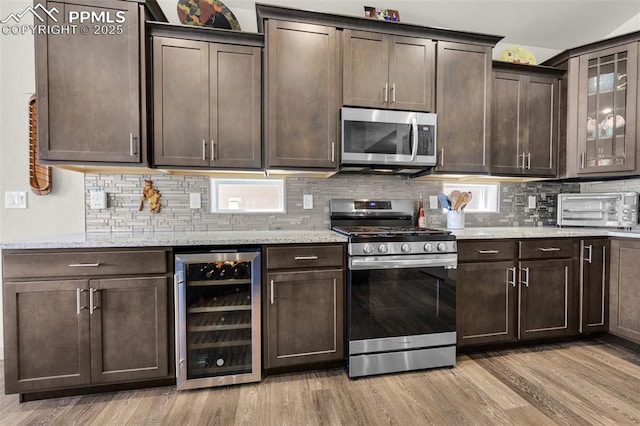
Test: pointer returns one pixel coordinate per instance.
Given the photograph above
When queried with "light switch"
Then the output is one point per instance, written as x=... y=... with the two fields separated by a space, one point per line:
x=433 y=202
x=532 y=201
x=97 y=199
x=195 y=200
x=307 y=201
x=15 y=200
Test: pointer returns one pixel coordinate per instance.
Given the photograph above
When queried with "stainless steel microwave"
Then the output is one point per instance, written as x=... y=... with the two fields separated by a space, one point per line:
x=385 y=140
x=612 y=209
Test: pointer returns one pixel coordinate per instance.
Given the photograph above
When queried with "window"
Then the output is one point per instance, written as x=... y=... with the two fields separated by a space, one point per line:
x=247 y=196
x=485 y=196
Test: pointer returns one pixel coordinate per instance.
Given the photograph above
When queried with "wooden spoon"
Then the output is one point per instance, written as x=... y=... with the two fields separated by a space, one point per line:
x=454 y=197
x=466 y=199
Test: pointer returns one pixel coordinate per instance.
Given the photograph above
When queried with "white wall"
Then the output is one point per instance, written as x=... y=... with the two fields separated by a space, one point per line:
x=62 y=211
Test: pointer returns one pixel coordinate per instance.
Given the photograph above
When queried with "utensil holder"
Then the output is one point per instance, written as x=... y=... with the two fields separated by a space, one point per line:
x=455 y=219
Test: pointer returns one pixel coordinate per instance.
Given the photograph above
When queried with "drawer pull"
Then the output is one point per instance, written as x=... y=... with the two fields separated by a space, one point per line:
x=78 y=303
x=92 y=307
x=513 y=271
x=590 y=248
x=84 y=265
x=306 y=258
x=524 y=281
x=546 y=249
x=488 y=251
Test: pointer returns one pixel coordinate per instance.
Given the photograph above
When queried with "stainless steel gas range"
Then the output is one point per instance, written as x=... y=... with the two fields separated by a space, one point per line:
x=401 y=288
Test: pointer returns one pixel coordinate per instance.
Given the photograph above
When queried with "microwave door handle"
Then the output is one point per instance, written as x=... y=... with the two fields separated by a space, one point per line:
x=414 y=138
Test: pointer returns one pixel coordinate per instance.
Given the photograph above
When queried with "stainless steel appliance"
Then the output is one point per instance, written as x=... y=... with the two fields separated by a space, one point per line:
x=613 y=209
x=217 y=315
x=401 y=288
x=389 y=141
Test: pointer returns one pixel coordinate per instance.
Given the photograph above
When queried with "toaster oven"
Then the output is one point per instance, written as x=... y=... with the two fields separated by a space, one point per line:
x=613 y=209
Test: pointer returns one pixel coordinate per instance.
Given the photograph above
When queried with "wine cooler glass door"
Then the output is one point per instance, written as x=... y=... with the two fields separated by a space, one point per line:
x=219 y=306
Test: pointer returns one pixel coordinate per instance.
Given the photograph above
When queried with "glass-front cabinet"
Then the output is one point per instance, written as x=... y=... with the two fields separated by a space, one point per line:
x=607 y=110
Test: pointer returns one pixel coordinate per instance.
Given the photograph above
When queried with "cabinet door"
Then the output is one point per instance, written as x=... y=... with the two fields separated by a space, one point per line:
x=546 y=299
x=301 y=94
x=128 y=329
x=541 y=125
x=607 y=110
x=411 y=74
x=88 y=88
x=486 y=302
x=507 y=115
x=595 y=285
x=181 y=102
x=236 y=106
x=624 y=319
x=46 y=335
x=366 y=69
x=462 y=104
x=304 y=317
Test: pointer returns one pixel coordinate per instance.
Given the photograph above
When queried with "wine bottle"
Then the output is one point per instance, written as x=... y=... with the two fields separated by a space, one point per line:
x=422 y=218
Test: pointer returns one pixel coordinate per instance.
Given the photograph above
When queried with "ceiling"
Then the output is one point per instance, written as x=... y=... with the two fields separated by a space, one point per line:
x=547 y=26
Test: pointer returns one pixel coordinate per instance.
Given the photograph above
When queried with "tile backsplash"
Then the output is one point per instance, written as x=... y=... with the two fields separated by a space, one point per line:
x=122 y=215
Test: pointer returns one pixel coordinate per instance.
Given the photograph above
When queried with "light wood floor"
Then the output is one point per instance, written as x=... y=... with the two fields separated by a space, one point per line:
x=586 y=382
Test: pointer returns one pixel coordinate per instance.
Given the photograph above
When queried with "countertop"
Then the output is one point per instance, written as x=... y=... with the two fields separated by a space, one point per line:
x=235 y=238
x=222 y=238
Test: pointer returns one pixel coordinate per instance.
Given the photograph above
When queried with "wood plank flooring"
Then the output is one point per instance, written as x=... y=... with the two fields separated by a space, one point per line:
x=577 y=383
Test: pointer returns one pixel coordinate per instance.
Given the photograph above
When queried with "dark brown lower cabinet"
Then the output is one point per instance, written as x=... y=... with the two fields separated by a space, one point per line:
x=78 y=332
x=303 y=303
x=487 y=302
x=594 y=284
x=547 y=299
x=505 y=297
x=624 y=318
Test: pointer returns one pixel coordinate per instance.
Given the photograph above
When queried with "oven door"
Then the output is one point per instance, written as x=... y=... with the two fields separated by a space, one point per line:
x=401 y=302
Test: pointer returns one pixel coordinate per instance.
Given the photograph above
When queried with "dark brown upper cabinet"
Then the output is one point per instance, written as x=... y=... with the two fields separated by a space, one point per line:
x=207 y=101
x=388 y=71
x=524 y=120
x=302 y=86
x=602 y=108
x=463 y=85
x=91 y=87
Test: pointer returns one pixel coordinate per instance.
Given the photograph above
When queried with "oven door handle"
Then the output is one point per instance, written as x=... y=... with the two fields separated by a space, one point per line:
x=448 y=261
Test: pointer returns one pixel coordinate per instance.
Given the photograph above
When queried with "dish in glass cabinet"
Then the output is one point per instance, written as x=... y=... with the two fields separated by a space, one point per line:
x=207 y=13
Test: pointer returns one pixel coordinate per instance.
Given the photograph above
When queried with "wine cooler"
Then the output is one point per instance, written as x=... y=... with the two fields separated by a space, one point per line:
x=217 y=304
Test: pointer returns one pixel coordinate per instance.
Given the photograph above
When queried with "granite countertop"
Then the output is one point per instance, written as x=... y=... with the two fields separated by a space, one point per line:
x=235 y=238
x=226 y=238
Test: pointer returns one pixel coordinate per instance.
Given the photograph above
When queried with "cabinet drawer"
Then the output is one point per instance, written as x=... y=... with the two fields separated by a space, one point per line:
x=46 y=264
x=285 y=257
x=473 y=251
x=543 y=249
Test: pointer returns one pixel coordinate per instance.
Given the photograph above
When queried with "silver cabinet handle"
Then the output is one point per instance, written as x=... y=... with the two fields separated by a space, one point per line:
x=272 y=292
x=333 y=152
x=526 y=275
x=306 y=257
x=84 y=265
x=92 y=307
x=488 y=251
x=522 y=163
x=547 y=249
x=582 y=160
x=442 y=156
x=213 y=151
x=132 y=149
x=528 y=161
x=78 y=301
x=204 y=150
x=393 y=92
x=513 y=275
x=590 y=248
x=386 y=93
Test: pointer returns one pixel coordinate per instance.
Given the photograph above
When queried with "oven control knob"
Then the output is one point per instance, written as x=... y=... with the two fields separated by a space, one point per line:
x=367 y=249
x=406 y=248
x=428 y=248
x=382 y=248
x=442 y=247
